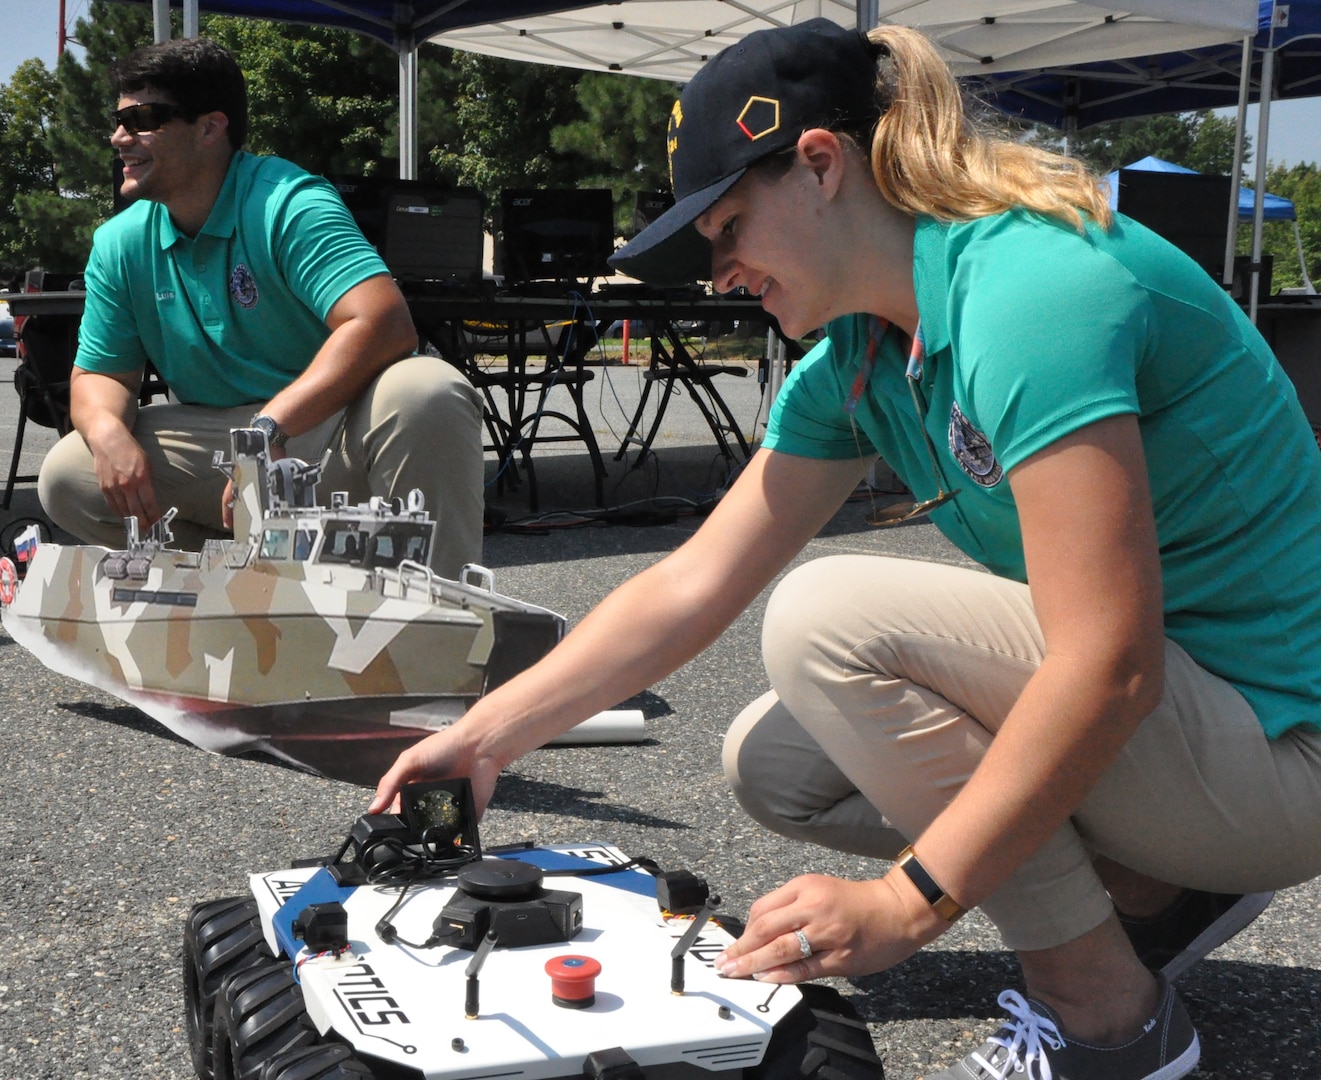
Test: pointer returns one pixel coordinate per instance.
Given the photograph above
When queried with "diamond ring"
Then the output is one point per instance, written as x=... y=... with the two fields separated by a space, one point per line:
x=804 y=946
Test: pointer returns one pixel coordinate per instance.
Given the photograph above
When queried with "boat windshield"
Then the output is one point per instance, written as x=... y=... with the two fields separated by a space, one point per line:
x=275 y=544
x=397 y=541
x=343 y=543
x=373 y=544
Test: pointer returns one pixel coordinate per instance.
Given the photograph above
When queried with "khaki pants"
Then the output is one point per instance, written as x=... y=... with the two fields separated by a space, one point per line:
x=890 y=679
x=418 y=425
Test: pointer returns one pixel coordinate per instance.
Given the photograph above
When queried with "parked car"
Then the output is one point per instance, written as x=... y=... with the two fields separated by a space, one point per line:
x=8 y=342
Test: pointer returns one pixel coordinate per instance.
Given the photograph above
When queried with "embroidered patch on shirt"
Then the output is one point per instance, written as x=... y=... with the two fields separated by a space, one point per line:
x=972 y=450
x=243 y=287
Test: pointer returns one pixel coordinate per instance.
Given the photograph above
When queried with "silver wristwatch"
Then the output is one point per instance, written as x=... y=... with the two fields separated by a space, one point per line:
x=275 y=435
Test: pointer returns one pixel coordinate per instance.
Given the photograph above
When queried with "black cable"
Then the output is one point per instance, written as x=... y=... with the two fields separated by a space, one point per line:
x=385 y=929
x=658 y=509
x=404 y=865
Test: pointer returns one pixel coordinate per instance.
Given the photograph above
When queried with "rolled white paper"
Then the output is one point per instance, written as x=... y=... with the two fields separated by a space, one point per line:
x=611 y=726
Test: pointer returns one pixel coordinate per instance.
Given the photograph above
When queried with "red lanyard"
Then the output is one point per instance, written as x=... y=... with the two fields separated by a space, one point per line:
x=916 y=358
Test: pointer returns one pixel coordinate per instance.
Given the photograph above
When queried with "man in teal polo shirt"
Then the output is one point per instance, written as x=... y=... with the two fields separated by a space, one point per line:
x=246 y=283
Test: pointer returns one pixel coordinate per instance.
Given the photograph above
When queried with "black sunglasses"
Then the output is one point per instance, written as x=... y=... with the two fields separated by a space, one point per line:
x=149 y=116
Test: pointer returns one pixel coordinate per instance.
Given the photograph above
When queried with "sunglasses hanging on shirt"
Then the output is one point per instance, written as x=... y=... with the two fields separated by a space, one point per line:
x=907 y=509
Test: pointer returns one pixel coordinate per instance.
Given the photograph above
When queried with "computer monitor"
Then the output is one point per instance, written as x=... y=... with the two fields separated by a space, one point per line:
x=1188 y=209
x=432 y=233
x=555 y=235
x=648 y=206
x=425 y=232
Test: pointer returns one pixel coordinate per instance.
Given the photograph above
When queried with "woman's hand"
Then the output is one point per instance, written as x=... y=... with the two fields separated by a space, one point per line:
x=853 y=928
x=441 y=756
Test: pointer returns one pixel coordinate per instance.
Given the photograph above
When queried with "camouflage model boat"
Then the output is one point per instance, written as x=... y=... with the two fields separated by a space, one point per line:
x=299 y=638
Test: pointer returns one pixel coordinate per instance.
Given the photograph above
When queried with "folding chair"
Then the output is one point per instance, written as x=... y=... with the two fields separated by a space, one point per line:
x=49 y=344
x=672 y=362
x=41 y=380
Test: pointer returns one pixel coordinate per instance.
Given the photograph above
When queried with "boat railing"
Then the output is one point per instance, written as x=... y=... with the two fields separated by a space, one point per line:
x=476 y=586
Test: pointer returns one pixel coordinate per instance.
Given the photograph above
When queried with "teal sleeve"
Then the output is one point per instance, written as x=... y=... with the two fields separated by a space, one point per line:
x=319 y=248
x=108 y=337
x=808 y=417
x=1048 y=336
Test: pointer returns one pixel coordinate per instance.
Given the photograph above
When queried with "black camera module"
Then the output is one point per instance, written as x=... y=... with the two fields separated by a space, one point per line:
x=323 y=927
x=438 y=812
x=505 y=897
x=441 y=814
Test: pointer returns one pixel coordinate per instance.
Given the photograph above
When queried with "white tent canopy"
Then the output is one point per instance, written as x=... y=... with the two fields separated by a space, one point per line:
x=671 y=39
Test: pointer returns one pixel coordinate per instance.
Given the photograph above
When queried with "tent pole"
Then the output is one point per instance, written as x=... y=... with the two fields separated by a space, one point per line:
x=1302 y=259
x=160 y=19
x=190 y=18
x=1240 y=129
x=407 y=108
x=1258 y=196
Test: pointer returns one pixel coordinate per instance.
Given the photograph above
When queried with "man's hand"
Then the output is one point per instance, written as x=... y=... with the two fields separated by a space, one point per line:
x=103 y=408
x=229 y=495
x=124 y=475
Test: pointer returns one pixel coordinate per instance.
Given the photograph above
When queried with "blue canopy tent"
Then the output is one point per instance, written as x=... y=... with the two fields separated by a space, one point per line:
x=1282 y=60
x=1274 y=207
x=1076 y=96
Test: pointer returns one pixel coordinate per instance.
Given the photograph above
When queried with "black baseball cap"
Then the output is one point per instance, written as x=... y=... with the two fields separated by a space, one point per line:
x=753 y=99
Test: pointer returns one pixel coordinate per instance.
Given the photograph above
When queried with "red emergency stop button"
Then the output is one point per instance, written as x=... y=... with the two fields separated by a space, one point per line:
x=573 y=980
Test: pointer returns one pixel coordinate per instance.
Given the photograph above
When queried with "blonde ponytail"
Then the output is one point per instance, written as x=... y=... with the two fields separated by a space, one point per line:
x=927 y=157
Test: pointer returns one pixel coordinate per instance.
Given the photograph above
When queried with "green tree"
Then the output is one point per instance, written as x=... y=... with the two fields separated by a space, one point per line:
x=505 y=113
x=1196 y=140
x=323 y=98
x=1301 y=185
x=328 y=100
x=27 y=110
x=80 y=140
x=62 y=217
x=620 y=137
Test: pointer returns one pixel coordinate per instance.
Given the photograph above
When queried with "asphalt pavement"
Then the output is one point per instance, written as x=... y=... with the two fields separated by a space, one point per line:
x=111 y=827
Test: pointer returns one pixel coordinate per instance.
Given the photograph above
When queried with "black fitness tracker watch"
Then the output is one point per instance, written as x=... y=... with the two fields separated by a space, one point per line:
x=945 y=905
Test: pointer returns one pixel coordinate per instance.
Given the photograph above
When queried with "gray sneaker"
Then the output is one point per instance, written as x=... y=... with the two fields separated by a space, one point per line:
x=1191 y=927
x=1031 y=1045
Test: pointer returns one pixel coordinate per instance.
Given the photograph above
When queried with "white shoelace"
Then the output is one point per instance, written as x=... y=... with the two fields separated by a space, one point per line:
x=1021 y=1039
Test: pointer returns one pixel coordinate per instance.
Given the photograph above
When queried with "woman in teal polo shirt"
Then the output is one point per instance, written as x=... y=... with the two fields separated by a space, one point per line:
x=1111 y=742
